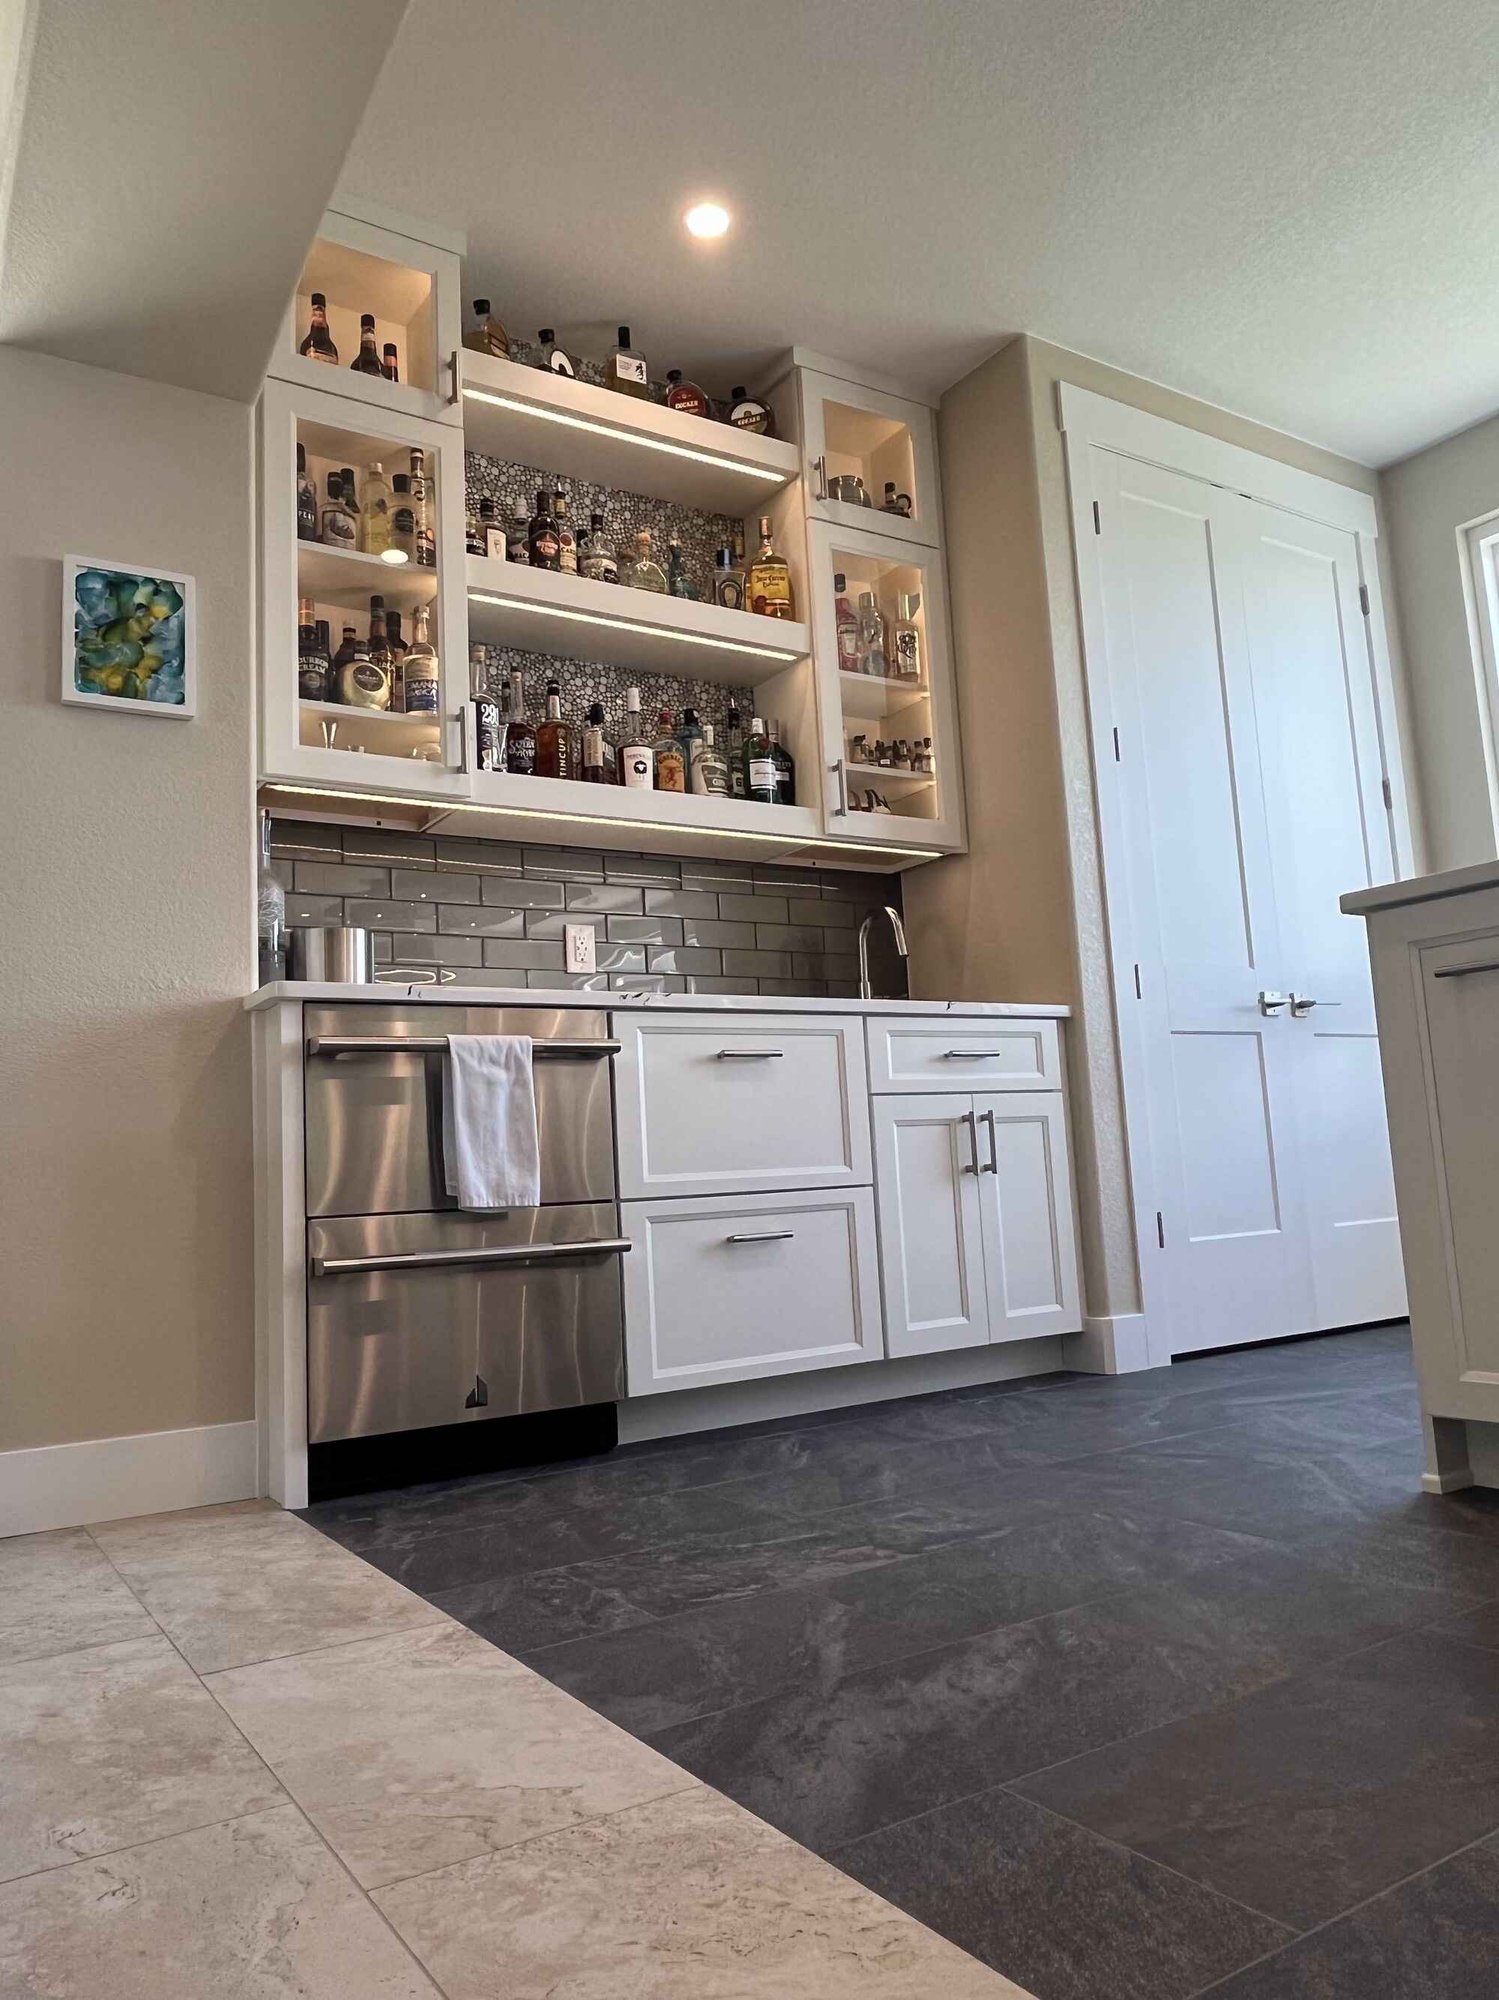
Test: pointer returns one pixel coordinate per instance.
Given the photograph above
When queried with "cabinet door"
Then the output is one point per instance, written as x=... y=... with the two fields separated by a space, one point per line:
x=853 y=434
x=931 y=1231
x=727 y=1288
x=1025 y=1201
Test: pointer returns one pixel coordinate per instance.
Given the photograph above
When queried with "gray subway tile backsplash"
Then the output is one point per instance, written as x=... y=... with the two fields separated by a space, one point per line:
x=493 y=913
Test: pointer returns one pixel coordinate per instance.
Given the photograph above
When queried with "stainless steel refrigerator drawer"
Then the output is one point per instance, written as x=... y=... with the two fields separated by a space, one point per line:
x=374 y=1115
x=415 y=1320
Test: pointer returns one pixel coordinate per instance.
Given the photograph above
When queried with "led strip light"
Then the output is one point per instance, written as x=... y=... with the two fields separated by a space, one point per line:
x=712 y=458
x=630 y=625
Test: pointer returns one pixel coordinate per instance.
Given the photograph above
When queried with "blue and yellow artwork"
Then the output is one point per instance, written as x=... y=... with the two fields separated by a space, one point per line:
x=127 y=638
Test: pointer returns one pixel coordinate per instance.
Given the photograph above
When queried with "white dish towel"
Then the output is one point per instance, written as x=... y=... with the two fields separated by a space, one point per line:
x=490 y=1153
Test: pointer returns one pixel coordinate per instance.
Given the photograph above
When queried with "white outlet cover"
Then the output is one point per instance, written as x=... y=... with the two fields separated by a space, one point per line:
x=578 y=949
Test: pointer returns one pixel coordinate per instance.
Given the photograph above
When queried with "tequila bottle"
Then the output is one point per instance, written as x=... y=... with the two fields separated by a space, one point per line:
x=641 y=572
x=596 y=557
x=728 y=580
x=770 y=578
x=678 y=582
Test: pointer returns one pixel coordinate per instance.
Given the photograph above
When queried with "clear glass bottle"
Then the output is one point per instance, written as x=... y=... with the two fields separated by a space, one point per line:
x=390 y=362
x=491 y=534
x=728 y=580
x=625 y=369
x=375 y=499
x=312 y=666
x=748 y=413
x=759 y=765
x=518 y=538
x=489 y=742
x=421 y=512
x=402 y=519
x=520 y=736
x=769 y=587
x=422 y=675
x=686 y=396
x=906 y=637
x=317 y=344
x=734 y=754
x=640 y=571
x=678 y=582
x=710 y=775
x=270 y=913
x=340 y=522
x=596 y=751
x=567 y=541
x=597 y=559
x=380 y=654
x=556 y=360
x=671 y=765
x=554 y=739
x=473 y=534
x=637 y=755
x=847 y=623
x=485 y=335
x=367 y=360
x=689 y=734
x=542 y=548
x=785 y=767
x=306 y=500
x=871 y=636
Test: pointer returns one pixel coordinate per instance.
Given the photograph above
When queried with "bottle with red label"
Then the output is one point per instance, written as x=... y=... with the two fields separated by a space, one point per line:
x=543 y=543
x=686 y=396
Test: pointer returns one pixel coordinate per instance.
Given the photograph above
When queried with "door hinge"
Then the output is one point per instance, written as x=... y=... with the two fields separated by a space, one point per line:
x=1389 y=797
x=477 y=1397
x=1097 y=520
x=1363 y=598
x=1160 y=1230
x=1116 y=747
x=1138 y=994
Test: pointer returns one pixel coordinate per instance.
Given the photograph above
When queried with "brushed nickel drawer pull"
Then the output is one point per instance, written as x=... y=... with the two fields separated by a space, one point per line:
x=1462 y=971
x=481 y=1253
x=971 y=1055
x=750 y=1055
x=762 y=1236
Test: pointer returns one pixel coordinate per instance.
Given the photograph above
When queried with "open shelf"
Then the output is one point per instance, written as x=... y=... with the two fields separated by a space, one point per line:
x=886 y=774
x=545 y=611
x=350 y=578
x=624 y=442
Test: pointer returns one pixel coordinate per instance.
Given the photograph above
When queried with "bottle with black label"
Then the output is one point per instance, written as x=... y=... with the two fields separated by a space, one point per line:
x=380 y=653
x=597 y=749
x=306 y=500
x=488 y=739
x=367 y=360
x=340 y=523
x=542 y=547
x=421 y=512
x=555 y=359
x=518 y=538
x=312 y=664
x=567 y=541
x=362 y=684
x=626 y=369
x=748 y=413
x=491 y=534
x=728 y=580
x=343 y=658
x=759 y=765
x=520 y=737
x=734 y=754
x=637 y=758
x=318 y=342
x=596 y=557
x=785 y=768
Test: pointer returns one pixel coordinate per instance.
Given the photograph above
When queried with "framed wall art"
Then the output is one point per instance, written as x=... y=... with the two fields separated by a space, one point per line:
x=129 y=638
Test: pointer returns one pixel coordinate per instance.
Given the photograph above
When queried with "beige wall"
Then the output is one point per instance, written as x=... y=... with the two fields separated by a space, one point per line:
x=126 y=918
x=1428 y=499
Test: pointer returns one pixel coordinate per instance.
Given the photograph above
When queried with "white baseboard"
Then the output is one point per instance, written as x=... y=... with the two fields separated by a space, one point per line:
x=1109 y=1344
x=1447 y=1482
x=103 y=1479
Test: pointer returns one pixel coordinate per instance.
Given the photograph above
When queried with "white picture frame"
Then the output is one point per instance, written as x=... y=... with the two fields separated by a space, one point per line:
x=102 y=668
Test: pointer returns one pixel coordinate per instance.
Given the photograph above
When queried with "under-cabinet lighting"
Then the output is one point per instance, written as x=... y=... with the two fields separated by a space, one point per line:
x=712 y=458
x=394 y=556
x=630 y=625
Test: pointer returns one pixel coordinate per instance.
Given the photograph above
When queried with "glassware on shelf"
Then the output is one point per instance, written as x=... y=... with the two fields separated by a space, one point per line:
x=626 y=369
x=485 y=335
x=640 y=571
x=270 y=912
x=317 y=343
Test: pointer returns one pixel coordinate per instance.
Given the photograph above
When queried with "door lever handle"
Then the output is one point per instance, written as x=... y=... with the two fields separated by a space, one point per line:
x=1271 y=1003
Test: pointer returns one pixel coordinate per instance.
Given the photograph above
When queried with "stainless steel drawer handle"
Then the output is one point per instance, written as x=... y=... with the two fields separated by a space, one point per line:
x=762 y=1236
x=1462 y=971
x=750 y=1055
x=437 y=1045
x=517 y=1253
x=971 y=1055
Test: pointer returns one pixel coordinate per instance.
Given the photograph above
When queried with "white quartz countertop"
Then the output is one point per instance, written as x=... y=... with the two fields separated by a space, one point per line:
x=1421 y=888
x=286 y=992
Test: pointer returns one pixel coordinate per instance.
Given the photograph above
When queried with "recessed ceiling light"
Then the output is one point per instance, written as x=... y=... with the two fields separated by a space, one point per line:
x=707 y=219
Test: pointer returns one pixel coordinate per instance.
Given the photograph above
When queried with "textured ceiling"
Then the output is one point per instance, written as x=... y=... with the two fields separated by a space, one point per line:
x=1288 y=207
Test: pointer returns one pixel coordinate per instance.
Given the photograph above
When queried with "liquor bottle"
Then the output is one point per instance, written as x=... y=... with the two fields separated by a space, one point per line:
x=596 y=749
x=640 y=572
x=318 y=344
x=748 y=413
x=421 y=668
x=759 y=765
x=567 y=541
x=312 y=666
x=710 y=775
x=491 y=534
x=785 y=768
x=518 y=538
x=678 y=582
x=907 y=636
x=488 y=740
x=686 y=396
x=671 y=766
x=374 y=511
x=340 y=523
x=728 y=580
x=689 y=733
x=554 y=739
x=555 y=359
x=901 y=754
x=344 y=657
x=520 y=737
x=402 y=519
x=486 y=335
x=625 y=369
x=597 y=558
x=421 y=512
x=541 y=536
x=390 y=362
x=734 y=754
x=379 y=651
x=398 y=651
x=871 y=635
x=473 y=534
x=361 y=684
x=270 y=912
x=848 y=626
x=637 y=756
x=306 y=500
x=367 y=360
x=770 y=578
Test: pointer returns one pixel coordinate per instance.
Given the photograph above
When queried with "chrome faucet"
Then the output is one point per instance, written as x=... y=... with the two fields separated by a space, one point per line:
x=866 y=991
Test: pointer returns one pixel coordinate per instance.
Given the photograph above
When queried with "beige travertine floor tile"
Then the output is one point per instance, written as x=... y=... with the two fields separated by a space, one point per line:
x=57 y=1592
x=250 y=1582
x=413 y=1752
x=256 y=1909
x=111 y=1745
x=690 y=1898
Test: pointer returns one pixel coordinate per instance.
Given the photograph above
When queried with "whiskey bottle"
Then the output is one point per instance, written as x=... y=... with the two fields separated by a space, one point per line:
x=398 y=651
x=380 y=653
x=518 y=538
x=306 y=500
x=871 y=636
x=728 y=580
x=710 y=777
x=390 y=362
x=421 y=512
x=374 y=511
x=491 y=535
x=678 y=582
x=686 y=396
x=556 y=360
x=770 y=578
x=907 y=636
x=312 y=666
x=488 y=740
x=520 y=736
x=637 y=756
x=641 y=572
x=542 y=547
x=759 y=765
x=671 y=766
x=473 y=534
x=847 y=623
x=421 y=669
x=626 y=370
x=367 y=360
x=785 y=768
x=748 y=413
x=318 y=344
x=340 y=523
x=486 y=335
x=554 y=739
x=402 y=519
x=734 y=754
x=596 y=558
x=344 y=657
x=567 y=541
x=689 y=735
x=362 y=684
x=596 y=749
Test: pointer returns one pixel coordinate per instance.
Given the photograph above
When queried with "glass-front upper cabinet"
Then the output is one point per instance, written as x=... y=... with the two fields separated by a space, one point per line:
x=869 y=459
x=376 y=316
x=363 y=629
x=885 y=689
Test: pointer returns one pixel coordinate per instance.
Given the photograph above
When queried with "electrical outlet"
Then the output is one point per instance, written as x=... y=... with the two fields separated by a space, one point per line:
x=577 y=951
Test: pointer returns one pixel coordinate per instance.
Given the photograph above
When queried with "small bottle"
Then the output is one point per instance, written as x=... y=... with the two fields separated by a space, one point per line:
x=361 y=684
x=637 y=756
x=520 y=736
x=270 y=912
x=554 y=739
x=555 y=359
x=340 y=523
x=686 y=396
x=567 y=541
x=597 y=559
x=759 y=765
x=421 y=512
x=306 y=500
x=542 y=550
x=379 y=651
x=402 y=519
x=312 y=666
x=906 y=637
x=641 y=572
x=847 y=622
x=748 y=413
x=318 y=344
x=421 y=669
x=596 y=749
x=900 y=756
x=625 y=369
x=367 y=360
x=871 y=635
x=671 y=765
x=678 y=582
x=890 y=504
x=374 y=511
x=769 y=588
x=390 y=362
x=491 y=534
x=734 y=754
x=728 y=580
x=710 y=776
x=486 y=335
x=785 y=768
x=488 y=742
x=518 y=538
x=689 y=734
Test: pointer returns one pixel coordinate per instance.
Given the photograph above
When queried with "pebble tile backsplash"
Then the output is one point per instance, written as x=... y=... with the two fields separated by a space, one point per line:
x=484 y=913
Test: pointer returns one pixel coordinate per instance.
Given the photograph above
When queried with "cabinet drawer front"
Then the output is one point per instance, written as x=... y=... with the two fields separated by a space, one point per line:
x=964 y=1054
x=741 y=1102
x=726 y=1289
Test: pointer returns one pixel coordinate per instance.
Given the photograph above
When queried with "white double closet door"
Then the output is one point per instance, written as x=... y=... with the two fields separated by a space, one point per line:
x=1244 y=791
